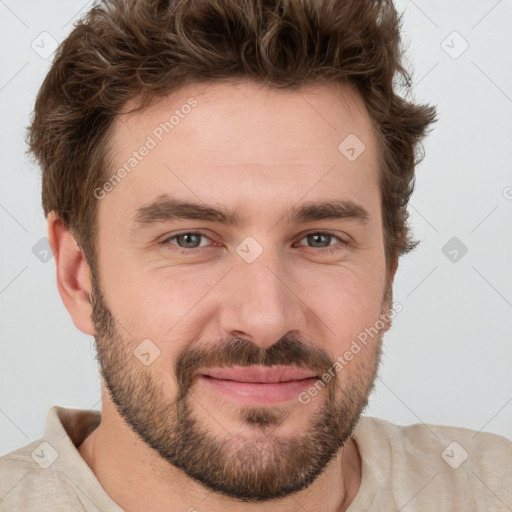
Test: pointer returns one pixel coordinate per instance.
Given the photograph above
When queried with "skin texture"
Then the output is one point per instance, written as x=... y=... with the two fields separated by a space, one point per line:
x=167 y=441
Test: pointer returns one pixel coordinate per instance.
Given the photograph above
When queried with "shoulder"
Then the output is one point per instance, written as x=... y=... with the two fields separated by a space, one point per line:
x=447 y=442
x=448 y=464
x=49 y=474
x=26 y=473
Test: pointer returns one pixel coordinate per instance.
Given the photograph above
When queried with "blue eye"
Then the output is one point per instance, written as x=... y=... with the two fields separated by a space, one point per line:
x=189 y=240
x=320 y=237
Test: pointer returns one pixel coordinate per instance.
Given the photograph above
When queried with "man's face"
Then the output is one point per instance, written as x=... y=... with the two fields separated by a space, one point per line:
x=280 y=285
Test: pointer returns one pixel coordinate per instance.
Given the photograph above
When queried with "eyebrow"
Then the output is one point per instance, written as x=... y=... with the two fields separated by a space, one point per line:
x=165 y=209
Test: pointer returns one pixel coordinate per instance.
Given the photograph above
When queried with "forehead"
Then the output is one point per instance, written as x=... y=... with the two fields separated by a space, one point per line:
x=245 y=144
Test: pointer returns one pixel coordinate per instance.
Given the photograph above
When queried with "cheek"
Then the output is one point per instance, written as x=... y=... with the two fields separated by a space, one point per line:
x=349 y=310
x=347 y=301
x=165 y=305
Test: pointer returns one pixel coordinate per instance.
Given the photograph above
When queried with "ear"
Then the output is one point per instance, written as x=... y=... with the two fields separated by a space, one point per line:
x=387 y=301
x=393 y=268
x=73 y=274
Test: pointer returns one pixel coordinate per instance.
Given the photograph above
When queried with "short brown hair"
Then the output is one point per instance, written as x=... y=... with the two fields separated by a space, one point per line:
x=144 y=49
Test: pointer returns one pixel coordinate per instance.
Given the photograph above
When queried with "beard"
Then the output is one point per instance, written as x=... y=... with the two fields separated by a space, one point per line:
x=261 y=466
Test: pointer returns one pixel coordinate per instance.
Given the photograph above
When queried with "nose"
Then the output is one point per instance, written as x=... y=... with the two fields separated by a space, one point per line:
x=261 y=300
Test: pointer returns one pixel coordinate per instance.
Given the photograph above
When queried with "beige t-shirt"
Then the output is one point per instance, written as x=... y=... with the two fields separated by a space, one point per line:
x=413 y=468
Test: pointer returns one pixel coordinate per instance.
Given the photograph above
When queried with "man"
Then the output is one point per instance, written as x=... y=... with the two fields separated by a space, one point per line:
x=226 y=188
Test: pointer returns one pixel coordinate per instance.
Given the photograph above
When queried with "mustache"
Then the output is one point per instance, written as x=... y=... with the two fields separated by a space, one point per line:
x=288 y=351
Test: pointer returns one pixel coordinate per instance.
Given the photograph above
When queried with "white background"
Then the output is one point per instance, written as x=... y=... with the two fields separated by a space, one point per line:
x=448 y=356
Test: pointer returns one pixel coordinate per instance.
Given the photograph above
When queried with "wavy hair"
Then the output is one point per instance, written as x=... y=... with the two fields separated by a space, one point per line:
x=124 y=50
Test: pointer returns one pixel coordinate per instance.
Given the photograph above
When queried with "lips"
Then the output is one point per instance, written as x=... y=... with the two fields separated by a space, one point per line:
x=264 y=375
x=258 y=386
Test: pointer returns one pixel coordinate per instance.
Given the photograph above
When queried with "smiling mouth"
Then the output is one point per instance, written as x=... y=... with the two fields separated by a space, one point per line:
x=259 y=385
x=263 y=375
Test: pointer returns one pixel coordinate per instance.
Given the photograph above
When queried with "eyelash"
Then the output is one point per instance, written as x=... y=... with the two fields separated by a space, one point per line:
x=328 y=249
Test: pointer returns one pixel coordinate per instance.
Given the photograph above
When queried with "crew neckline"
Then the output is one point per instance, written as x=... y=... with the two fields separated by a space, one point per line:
x=67 y=428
